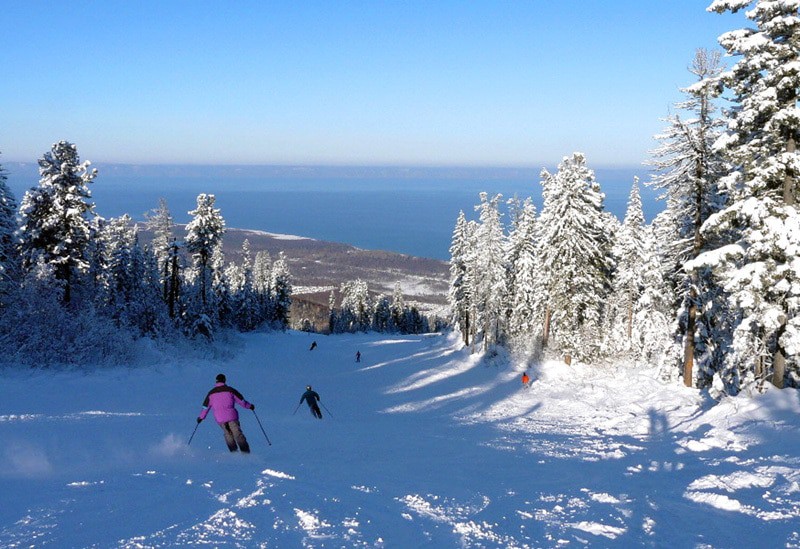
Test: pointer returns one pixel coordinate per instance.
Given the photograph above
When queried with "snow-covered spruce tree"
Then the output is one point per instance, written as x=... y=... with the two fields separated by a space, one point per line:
x=128 y=289
x=148 y=312
x=382 y=314
x=688 y=173
x=9 y=255
x=760 y=268
x=281 y=291
x=333 y=316
x=396 y=309
x=653 y=311
x=262 y=278
x=203 y=235
x=221 y=297
x=459 y=296
x=573 y=257
x=524 y=326
x=173 y=282
x=627 y=286
x=356 y=306
x=55 y=216
x=115 y=278
x=488 y=276
x=245 y=298
x=159 y=221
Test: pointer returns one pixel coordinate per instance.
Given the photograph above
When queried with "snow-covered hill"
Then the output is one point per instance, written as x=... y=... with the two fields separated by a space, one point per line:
x=422 y=445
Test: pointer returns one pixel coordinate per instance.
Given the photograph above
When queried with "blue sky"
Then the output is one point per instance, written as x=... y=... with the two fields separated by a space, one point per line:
x=433 y=83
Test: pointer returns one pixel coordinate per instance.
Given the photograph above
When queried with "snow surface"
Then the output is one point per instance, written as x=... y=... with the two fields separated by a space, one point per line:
x=427 y=446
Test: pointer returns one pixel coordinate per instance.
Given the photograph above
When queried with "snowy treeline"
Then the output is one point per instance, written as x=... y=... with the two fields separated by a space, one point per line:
x=711 y=288
x=76 y=287
x=359 y=311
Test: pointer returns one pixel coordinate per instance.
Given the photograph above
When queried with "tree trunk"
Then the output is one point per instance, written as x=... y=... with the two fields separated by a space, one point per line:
x=466 y=328
x=789 y=182
x=778 y=366
x=689 y=344
x=789 y=198
x=546 y=329
x=630 y=320
x=174 y=280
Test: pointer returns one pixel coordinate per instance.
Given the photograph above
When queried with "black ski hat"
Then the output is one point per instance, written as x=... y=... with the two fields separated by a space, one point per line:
x=220 y=378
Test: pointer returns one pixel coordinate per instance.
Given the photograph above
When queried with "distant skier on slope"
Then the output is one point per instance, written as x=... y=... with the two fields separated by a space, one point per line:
x=358 y=356
x=313 y=346
x=526 y=381
x=311 y=398
x=222 y=399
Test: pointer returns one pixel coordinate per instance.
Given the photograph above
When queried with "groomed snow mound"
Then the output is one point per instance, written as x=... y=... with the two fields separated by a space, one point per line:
x=422 y=445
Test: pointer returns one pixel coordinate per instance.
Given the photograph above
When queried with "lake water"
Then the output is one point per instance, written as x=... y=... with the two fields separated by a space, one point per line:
x=413 y=214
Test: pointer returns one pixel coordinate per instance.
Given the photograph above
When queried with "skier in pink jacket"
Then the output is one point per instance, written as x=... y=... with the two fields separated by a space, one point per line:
x=222 y=399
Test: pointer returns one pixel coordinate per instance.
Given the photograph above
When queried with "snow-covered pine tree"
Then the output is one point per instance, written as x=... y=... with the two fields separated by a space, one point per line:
x=159 y=221
x=204 y=235
x=489 y=272
x=55 y=216
x=573 y=256
x=524 y=326
x=397 y=309
x=221 y=305
x=459 y=296
x=116 y=284
x=760 y=268
x=356 y=306
x=262 y=278
x=174 y=279
x=246 y=307
x=382 y=314
x=627 y=286
x=688 y=174
x=653 y=312
x=148 y=310
x=281 y=291
x=333 y=316
x=9 y=255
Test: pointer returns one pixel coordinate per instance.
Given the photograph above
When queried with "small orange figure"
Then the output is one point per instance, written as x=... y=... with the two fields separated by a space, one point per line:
x=525 y=379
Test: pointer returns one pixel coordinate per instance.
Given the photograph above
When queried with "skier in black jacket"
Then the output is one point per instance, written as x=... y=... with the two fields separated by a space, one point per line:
x=311 y=398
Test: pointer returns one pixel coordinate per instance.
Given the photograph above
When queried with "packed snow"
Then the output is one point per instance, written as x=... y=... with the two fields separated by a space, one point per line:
x=422 y=444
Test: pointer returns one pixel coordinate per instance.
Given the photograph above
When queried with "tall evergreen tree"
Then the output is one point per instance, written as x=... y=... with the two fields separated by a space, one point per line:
x=628 y=253
x=356 y=306
x=489 y=271
x=523 y=320
x=460 y=293
x=262 y=281
x=760 y=268
x=160 y=222
x=572 y=254
x=397 y=309
x=688 y=173
x=56 y=216
x=281 y=290
x=204 y=235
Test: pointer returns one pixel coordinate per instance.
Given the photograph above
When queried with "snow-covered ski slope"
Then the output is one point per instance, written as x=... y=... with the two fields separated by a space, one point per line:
x=427 y=446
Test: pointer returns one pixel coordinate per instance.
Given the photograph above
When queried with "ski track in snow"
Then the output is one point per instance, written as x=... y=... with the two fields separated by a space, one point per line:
x=427 y=446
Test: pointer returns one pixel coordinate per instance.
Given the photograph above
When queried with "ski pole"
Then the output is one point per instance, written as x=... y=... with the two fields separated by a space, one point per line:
x=298 y=407
x=193 y=432
x=326 y=409
x=262 y=428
